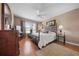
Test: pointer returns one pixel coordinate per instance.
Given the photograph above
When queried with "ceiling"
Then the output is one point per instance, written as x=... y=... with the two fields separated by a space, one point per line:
x=46 y=10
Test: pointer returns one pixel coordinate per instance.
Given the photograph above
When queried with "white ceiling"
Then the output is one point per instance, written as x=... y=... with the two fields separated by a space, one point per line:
x=48 y=10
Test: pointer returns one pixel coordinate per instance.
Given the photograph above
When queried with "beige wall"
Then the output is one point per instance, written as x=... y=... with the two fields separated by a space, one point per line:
x=70 y=22
x=0 y=15
x=17 y=20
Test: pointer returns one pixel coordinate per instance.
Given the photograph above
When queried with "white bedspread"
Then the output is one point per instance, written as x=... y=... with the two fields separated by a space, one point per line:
x=45 y=38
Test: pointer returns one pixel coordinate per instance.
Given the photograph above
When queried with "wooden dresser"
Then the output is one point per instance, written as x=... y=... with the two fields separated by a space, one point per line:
x=9 y=43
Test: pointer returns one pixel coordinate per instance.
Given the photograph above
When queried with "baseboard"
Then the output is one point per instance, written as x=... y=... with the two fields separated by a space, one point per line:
x=72 y=43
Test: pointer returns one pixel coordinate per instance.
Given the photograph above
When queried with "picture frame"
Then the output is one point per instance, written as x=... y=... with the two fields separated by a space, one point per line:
x=51 y=23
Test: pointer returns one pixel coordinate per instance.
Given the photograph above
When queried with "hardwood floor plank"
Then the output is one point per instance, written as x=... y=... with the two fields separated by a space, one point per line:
x=27 y=47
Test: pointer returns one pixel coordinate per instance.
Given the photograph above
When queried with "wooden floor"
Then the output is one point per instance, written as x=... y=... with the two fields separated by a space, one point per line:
x=28 y=48
x=73 y=47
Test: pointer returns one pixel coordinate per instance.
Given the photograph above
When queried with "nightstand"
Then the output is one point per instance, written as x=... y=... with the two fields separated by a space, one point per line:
x=61 y=37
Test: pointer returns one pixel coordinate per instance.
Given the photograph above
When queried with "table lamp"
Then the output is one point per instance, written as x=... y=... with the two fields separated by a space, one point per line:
x=60 y=28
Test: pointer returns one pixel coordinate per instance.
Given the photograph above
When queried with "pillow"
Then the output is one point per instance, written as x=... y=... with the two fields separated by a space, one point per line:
x=45 y=31
x=50 y=32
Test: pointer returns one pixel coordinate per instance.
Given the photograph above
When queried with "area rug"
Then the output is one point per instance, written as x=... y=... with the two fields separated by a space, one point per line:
x=56 y=50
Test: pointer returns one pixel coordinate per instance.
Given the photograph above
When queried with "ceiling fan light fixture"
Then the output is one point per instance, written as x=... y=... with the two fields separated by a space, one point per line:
x=38 y=14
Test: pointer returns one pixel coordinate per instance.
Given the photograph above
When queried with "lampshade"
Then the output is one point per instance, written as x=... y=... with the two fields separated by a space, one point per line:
x=60 y=27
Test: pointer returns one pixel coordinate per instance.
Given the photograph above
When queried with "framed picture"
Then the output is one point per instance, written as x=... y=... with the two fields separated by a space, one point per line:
x=50 y=23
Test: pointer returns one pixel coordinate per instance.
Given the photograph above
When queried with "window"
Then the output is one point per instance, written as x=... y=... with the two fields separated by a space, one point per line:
x=18 y=28
x=29 y=26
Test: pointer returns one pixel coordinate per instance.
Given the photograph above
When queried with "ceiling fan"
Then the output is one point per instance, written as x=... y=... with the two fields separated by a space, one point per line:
x=40 y=14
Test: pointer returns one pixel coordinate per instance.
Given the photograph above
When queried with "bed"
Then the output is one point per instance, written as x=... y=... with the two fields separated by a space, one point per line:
x=43 y=38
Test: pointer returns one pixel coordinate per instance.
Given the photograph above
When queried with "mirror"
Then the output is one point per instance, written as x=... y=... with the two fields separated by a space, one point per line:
x=7 y=17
